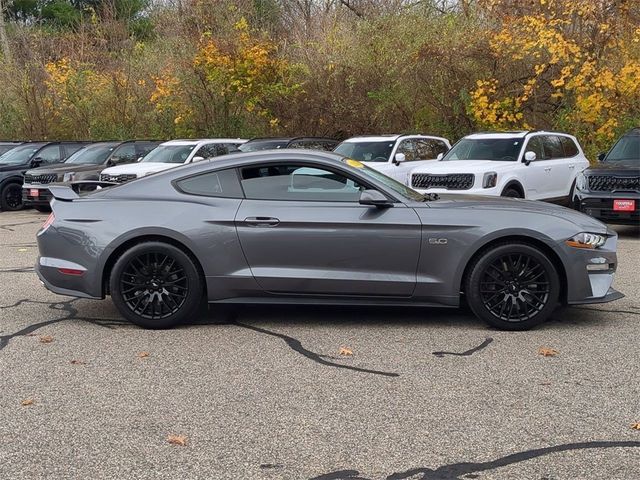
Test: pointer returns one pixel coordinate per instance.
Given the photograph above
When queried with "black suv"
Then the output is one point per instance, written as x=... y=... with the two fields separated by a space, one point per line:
x=610 y=190
x=269 y=143
x=85 y=164
x=16 y=161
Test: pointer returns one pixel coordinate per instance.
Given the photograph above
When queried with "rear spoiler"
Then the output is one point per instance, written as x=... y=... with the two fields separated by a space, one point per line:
x=71 y=191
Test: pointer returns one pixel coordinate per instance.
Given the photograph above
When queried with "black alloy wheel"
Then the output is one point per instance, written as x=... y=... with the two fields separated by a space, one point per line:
x=513 y=286
x=156 y=285
x=11 y=197
x=511 y=193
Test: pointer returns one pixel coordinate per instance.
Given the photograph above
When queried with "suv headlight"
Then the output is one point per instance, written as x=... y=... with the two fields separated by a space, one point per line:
x=587 y=240
x=489 y=180
x=69 y=177
x=581 y=182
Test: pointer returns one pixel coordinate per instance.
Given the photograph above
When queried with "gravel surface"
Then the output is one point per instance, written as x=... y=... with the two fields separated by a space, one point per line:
x=262 y=392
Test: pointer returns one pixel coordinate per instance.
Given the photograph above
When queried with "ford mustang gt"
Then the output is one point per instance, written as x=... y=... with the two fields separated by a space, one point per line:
x=308 y=227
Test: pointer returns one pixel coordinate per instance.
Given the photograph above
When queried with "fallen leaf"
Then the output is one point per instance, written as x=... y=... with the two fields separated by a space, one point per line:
x=22 y=249
x=177 y=440
x=547 y=352
x=345 y=352
x=46 y=339
x=78 y=362
x=635 y=426
x=26 y=402
x=143 y=354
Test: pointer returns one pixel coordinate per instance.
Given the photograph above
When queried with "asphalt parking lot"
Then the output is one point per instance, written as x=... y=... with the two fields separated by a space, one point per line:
x=264 y=392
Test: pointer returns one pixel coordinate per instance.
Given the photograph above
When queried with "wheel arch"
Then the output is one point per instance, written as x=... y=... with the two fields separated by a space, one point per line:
x=515 y=184
x=532 y=241
x=153 y=237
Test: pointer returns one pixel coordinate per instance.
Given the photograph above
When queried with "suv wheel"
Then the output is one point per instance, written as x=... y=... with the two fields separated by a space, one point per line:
x=11 y=197
x=511 y=193
x=512 y=286
x=156 y=285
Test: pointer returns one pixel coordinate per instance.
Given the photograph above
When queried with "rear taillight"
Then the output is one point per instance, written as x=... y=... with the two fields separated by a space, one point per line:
x=50 y=219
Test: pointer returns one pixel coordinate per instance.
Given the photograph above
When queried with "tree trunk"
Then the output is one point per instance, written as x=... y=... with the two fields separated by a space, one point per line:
x=4 y=42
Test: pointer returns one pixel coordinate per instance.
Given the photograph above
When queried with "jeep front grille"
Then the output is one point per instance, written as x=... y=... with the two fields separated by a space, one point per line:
x=105 y=177
x=43 y=178
x=605 y=183
x=458 y=181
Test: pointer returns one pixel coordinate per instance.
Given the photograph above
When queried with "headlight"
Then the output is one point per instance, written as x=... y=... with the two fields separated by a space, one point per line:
x=581 y=182
x=586 y=240
x=490 y=180
x=69 y=177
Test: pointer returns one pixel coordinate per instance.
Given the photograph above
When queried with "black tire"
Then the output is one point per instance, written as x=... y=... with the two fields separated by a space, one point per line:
x=156 y=285
x=511 y=192
x=11 y=197
x=508 y=277
x=42 y=208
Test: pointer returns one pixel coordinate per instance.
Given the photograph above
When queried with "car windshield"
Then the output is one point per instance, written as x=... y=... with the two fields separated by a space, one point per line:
x=626 y=150
x=91 y=155
x=19 y=155
x=497 y=149
x=376 y=151
x=169 y=154
x=262 y=145
x=394 y=185
x=6 y=148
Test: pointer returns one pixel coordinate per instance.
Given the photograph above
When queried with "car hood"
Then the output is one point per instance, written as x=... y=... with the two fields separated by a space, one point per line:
x=6 y=167
x=496 y=204
x=630 y=168
x=140 y=168
x=65 y=167
x=464 y=166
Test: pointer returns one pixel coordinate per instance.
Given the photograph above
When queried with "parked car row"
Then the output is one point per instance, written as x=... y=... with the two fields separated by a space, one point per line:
x=536 y=165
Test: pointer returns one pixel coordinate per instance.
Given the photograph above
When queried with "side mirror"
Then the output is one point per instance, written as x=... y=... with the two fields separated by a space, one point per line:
x=110 y=163
x=374 y=198
x=440 y=156
x=197 y=159
x=399 y=158
x=601 y=156
x=36 y=162
x=529 y=157
x=139 y=159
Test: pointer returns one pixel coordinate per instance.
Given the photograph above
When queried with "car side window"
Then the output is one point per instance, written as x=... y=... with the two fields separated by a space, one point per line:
x=535 y=145
x=222 y=183
x=50 y=154
x=552 y=147
x=143 y=148
x=429 y=149
x=408 y=148
x=124 y=154
x=206 y=151
x=298 y=183
x=569 y=147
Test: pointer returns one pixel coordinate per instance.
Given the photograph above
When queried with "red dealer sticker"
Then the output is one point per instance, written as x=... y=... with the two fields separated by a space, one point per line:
x=624 y=205
x=34 y=192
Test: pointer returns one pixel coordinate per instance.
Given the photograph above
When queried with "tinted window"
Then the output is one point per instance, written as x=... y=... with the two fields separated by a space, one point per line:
x=313 y=144
x=429 y=149
x=408 y=148
x=256 y=145
x=124 y=154
x=298 y=182
x=169 y=154
x=50 y=154
x=143 y=148
x=498 y=149
x=223 y=183
x=569 y=147
x=21 y=154
x=366 y=151
x=535 y=145
x=71 y=148
x=552 y=147
x=626 y=150
x=95 y=154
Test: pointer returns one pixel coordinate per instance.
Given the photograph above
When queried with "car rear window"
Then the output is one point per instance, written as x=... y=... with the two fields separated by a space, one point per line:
x=569 y=147
x=222 y=183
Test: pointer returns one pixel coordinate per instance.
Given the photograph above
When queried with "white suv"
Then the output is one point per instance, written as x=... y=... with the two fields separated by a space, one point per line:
x=394 y=155
x=535 y=165
x=171 y=154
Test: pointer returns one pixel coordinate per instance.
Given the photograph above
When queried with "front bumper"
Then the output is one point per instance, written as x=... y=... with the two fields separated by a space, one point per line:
x=36 y=195
x=600 y=205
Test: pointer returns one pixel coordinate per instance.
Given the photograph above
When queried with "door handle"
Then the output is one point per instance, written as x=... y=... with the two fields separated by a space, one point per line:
x=261 y=221
x=547 y=169
x=572 y=165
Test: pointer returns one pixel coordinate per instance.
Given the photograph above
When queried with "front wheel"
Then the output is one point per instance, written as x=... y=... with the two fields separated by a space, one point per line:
x=511 y=192
x=11 y=197
x=512 y=286
x=156 y=285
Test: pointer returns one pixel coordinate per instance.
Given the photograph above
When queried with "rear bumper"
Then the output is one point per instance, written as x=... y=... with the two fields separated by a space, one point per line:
x=600 y=205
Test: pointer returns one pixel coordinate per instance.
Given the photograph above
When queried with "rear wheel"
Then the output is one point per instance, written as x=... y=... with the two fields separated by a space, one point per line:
x=11 y=197
x=156 y=285
x=512 y=286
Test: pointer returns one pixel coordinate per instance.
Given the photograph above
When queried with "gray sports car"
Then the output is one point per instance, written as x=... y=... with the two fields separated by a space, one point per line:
x=308 y=227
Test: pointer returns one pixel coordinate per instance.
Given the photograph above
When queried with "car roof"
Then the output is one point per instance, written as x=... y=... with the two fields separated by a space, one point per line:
x=202 y=141
x=635 y=132
x=387 y=137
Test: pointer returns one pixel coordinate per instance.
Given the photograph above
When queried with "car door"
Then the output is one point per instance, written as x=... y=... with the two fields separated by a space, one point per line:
x=572 y=164
x=303 y=231
x=536 y=176
x=400 y=171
